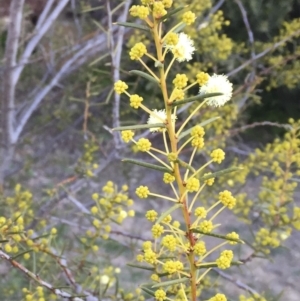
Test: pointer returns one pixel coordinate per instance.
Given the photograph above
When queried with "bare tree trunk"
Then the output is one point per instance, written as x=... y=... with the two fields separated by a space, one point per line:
x=9 y=82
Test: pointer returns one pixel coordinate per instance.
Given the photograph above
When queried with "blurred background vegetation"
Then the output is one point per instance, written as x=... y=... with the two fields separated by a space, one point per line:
x=66 y=151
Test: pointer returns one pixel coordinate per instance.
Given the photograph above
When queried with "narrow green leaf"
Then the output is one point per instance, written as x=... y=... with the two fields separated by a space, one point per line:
x=176 y=206
x=140 y=126
x=173 y=12
x=3 y=241
x=144 y=75
x=214 y=265
x=41 y=236
x=133 y=25
x=187 y=132
x=171 y=282
x=148 y=291
x=138 y=266
x=105 y=290
x=22 y=253
x=116 y=286
x=179 y=28
x=217 y=236
x=220 y=173
x=194 y=98
x=148 y=165
x=185 y=165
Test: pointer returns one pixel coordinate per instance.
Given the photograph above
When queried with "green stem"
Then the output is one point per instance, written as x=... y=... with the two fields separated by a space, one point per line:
x=174 y=142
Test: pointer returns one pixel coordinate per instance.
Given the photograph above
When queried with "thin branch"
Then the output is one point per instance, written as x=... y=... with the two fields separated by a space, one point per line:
x=116 y=53
x=237 y=282
x=9 y=84
x=80 y=206
x=9 y=79
x=94 y=43
x=251 y=76
x=36 y=278
x=40 y=32
x=261 y=54
x=255 y=124
x=247 y=25
x=44 y=14
x=75 y=17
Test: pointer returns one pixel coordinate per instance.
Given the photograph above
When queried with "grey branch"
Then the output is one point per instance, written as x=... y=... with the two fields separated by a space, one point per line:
x=9 y=80
x=116 y=47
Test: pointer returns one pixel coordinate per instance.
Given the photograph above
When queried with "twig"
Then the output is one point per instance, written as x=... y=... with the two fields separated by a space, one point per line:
x=116 y=53
x=255 y=124
x=261 y=54
x=237 y=282
x=75 y=17
x=247 y=25
x=251 y=76
x=9 y=84
x=35 y=277
x=129 y=235
x=41 y=30
x=65 y=69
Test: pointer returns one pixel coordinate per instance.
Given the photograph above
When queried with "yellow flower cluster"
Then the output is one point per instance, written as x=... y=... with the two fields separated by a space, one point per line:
x=38 y=295
x=137 y=51
x=218 y=297
x=155 y=277
x=151 y=215
x=206 y=226
x=167 y=219
x=171 y=39
x=200 y=212
x=169 y=241
x=142 y=192
x=139 y=11
x=127 y=135
x=177 y=94
x=120 y=87
x=217 y=155
x=111 y=205
x=158 y=10
x=265 y=238
x=168 y=178
x=197 y=131
x=150 y=256
x=188 y=18
x=147 y=245
x=198 y=142
x=160 y=295
x=200 y=248
x=192 y=184
x=143 y=145
x=224 y=261
x=172 y=267
x=233 y=235
x=180 y=81
x=227 y=199
x=135 y=101
x=202 y=78
x=157 y=230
